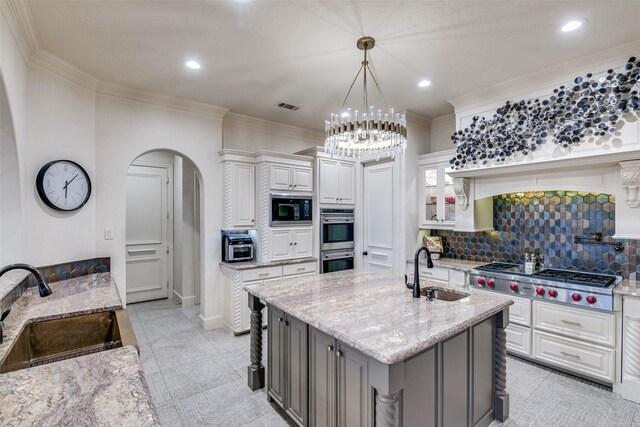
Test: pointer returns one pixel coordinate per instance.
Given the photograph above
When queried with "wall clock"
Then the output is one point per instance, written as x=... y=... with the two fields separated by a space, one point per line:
x=63 y=185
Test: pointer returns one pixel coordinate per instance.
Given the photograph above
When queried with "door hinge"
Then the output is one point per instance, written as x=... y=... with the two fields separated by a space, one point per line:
x=167 y=180
x=167 y=215
x=167 y=248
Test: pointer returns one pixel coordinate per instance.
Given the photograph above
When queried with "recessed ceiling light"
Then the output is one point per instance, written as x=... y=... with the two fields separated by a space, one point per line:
x=573 y=25
x=424 y=83
x=194 y=65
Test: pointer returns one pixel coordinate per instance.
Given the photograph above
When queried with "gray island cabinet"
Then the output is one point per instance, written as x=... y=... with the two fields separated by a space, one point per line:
x=355 y=349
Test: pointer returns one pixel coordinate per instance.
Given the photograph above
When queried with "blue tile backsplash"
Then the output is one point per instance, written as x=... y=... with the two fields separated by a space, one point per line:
x=545 y=223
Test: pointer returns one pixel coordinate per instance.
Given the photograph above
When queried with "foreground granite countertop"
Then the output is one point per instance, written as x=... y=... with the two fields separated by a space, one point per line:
x=453 y=264
x=375 y=314
x=105 y=388
x=248 y=265
x=629 y=288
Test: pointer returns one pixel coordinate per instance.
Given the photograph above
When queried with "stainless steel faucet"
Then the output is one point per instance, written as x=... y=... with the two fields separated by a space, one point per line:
x=43 y=288
x=416 y=271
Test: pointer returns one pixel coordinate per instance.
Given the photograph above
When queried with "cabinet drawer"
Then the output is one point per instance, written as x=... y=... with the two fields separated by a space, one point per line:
x=588 y=359
x=588 y=325
x=520 y=311
x=302 y=268
x=261 y=273
x=438 y=274
x=519 y=339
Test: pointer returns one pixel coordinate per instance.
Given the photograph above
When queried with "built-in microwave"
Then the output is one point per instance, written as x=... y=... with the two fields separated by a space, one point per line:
x=290 y=209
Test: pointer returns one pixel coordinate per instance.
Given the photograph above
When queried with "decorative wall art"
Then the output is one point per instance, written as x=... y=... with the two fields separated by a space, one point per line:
x=588 y=107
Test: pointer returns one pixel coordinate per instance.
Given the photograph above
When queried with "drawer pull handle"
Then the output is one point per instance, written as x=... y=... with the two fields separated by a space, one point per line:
x=263 y=274
x=329 y=348
x=569 y=322
x=141 y=251
x=575 y=356
x=302 y=269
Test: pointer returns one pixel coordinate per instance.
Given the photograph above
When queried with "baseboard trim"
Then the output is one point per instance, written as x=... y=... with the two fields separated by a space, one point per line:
x=208 y=323
x=184 y=301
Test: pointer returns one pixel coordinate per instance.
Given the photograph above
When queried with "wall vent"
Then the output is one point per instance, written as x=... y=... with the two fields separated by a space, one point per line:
x=287 y=106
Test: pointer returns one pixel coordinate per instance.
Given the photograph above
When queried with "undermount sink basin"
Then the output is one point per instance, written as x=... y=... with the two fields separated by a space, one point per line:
x=59 y=339
x=442 y=294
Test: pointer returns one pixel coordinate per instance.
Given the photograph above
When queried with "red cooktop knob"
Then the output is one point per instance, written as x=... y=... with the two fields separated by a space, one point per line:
x=540 y=291
x=491 y=283
x=553 y=293
x=480 y=281
x=576 y=297
x=514 y=287
x=591 y=299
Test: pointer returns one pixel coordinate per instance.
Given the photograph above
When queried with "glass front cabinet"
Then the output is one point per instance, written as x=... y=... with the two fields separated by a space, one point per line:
x=438 y=200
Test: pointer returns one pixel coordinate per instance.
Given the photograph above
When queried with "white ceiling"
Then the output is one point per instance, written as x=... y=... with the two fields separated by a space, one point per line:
x=257 y=53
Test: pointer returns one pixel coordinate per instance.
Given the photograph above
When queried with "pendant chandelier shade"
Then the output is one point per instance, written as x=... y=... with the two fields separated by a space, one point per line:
x=371 y=132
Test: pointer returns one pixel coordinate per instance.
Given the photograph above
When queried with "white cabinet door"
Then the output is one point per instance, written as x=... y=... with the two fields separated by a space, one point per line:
x=519 y=339
x=244 y=195
x=302 y=179
x=282 y=244
x=329 y=187
x=281 y=178
x=347 y=182
x=302 y=242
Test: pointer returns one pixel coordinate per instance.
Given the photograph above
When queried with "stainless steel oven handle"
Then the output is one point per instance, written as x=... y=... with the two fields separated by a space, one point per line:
x=346 y=254
x=337 y=220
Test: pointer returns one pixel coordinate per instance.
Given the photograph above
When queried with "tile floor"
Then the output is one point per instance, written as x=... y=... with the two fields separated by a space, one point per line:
x=198 y=378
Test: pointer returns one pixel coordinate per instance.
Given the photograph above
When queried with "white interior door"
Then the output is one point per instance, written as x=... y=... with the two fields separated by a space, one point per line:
x=147 y=233
x=378 y=217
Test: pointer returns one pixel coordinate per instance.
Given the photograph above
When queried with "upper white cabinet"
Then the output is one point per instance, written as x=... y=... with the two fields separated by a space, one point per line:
x=447 y=202
x=291 y=243
x=337 y=181
x=239 y=190
x=438 y=199
x=291 y=178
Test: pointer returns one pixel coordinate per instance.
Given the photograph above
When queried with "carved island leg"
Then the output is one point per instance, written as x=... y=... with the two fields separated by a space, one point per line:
x=387 y=410
x=501 y=397
x=255 y=371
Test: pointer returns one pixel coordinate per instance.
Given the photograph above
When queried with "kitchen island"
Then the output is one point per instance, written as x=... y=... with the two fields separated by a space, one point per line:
x=353 y=348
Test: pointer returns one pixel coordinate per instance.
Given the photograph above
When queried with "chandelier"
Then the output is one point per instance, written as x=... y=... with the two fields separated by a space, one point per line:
x=370 y=133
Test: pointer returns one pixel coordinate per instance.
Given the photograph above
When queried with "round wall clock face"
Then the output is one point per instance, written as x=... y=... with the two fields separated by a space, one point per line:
x=63 y=185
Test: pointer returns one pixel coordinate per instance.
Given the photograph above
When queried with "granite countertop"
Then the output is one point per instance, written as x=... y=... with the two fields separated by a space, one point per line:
x=105 y=388
x=374 y=313
x=629 y=288
x=248 y=265
x=453 y=264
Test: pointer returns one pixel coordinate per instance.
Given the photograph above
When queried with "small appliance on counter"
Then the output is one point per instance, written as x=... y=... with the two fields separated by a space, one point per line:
x=237 y=246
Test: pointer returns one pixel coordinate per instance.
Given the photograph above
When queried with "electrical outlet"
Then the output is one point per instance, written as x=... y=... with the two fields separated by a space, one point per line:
x=108 y=233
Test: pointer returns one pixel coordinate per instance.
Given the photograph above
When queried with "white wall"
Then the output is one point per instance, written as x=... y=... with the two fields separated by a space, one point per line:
x=441 y=130
x=125 y=130
x=252 y=134
x=189 y=236
x=62 y=126
x=418 y=142
x=13 y=111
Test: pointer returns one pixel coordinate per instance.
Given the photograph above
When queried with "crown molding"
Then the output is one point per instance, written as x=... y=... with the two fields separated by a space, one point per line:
x=415 y=119
x=62 y=70
x=165 y=101
x=21 y=26
x=444 y=122
x=550 y=76
x=240 y=121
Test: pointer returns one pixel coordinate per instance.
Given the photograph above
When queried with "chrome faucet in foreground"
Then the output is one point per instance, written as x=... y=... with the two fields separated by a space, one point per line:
x=416 y=270
x=43 y=288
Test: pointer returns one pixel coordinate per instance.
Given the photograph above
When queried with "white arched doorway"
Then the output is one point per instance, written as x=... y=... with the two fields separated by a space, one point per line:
x=162 y=229
x=10 y=197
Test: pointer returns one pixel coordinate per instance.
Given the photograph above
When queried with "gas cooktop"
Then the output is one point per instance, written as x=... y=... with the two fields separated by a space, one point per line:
x=587 y=290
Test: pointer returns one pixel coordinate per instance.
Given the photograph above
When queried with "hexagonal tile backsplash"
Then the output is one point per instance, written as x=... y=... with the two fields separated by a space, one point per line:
x=545 y=223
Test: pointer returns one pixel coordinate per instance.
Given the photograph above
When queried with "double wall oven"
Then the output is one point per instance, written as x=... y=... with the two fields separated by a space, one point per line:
x=336 y=239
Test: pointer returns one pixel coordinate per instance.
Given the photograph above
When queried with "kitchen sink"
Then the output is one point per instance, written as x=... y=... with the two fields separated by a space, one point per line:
x=50 y=341
x=442 y=294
